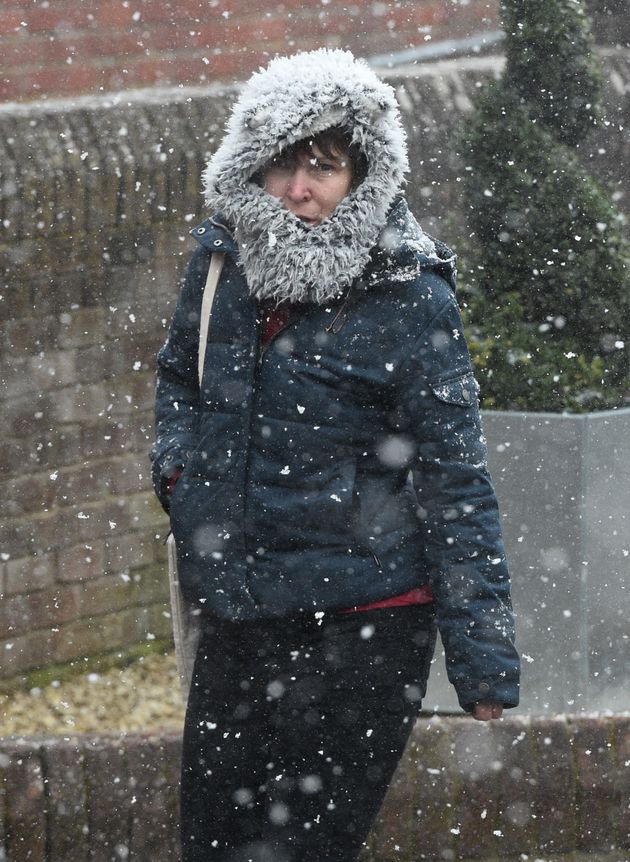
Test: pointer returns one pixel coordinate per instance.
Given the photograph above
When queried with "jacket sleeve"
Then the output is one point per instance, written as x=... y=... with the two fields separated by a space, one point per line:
x=177 y=392
x=438 y=410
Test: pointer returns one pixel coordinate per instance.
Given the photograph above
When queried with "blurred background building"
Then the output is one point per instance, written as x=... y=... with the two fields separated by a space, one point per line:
x=60 y=48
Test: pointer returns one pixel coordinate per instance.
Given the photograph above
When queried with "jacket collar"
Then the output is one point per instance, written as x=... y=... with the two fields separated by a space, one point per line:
x=403 y=249
x=213 y=234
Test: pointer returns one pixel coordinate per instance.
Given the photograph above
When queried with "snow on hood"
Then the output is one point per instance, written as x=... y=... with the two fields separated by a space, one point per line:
x=298 y=96
x=293 y=98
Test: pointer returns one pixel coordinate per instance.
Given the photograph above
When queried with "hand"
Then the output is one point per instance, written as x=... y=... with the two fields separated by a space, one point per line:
x=486 y=711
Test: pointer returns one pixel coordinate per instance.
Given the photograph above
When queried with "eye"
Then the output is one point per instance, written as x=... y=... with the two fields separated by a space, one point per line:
x=322 y=167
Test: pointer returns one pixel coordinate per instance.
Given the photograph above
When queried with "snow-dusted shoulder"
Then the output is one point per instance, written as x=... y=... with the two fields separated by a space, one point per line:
x=404 y=251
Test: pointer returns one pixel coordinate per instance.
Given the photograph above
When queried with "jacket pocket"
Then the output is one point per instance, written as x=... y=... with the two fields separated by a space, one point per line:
x=461 y=390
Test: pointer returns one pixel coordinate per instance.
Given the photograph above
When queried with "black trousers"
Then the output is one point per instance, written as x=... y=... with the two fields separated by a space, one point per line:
x=293 y=731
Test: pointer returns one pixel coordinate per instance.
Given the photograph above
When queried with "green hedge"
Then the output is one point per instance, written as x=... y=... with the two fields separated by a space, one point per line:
x=546 y=285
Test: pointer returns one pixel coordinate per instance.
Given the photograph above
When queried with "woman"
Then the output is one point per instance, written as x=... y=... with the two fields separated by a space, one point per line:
x=330 y=500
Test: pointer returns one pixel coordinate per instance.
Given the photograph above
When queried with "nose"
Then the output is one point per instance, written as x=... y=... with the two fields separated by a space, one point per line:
x=298 y=188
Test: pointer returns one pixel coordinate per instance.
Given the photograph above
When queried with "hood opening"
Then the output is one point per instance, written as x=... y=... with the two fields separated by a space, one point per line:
x=331 y=142
x=296 y=99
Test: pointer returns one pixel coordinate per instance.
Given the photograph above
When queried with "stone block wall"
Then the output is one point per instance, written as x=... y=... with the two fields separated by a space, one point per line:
x=96 y=200
x=65 y=48
x=513 y=790
x=95 y=206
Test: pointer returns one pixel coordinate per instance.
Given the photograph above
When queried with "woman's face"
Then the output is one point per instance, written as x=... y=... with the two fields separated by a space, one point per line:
x=309 y=184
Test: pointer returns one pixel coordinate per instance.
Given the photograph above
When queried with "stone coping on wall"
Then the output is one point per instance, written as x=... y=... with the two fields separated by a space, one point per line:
x=513 y=789
x=82 y=166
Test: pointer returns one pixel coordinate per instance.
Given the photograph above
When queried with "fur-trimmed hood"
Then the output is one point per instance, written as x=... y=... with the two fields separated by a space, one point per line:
x=292 y=98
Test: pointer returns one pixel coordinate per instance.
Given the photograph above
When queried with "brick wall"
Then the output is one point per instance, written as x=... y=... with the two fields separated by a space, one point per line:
x=68 y=47
x=95 y=206
x=463 y=790
x=60 y=48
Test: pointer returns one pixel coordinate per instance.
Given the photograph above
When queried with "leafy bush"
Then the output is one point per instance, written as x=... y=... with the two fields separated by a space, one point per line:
x=547 y=288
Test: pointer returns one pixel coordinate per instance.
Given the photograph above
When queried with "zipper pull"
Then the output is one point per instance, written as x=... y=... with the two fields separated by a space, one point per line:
x=341 y=315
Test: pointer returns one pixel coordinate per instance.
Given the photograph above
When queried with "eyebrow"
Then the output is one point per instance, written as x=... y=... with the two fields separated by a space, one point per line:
x=340 y=160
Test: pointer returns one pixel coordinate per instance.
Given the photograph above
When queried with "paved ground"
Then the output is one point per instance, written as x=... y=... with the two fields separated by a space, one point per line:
x=142 y=696
x=617 y=856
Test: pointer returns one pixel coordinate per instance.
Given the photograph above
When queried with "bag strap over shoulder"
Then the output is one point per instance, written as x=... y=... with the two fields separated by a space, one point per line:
x=185 y=617
x=214 y=272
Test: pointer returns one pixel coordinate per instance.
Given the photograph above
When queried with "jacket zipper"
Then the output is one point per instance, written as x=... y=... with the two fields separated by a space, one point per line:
x=334 y=327
x=376 y=560
x=257 y=366
x=255 y=376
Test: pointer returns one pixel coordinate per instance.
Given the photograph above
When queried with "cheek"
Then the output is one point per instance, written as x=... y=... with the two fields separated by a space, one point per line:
x=345 y=184
x=342 y=189
x=274 y=185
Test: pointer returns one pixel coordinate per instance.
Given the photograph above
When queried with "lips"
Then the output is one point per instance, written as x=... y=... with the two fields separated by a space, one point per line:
x=310 y=221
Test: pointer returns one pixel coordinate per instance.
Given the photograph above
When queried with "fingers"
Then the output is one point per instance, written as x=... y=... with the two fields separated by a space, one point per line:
x=487 y=711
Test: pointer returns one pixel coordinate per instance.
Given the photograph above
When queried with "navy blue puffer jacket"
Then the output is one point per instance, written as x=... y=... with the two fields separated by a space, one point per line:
x=343 y=464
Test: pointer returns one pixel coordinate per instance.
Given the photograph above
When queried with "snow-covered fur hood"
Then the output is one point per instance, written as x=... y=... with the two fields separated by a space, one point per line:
x=293 y=98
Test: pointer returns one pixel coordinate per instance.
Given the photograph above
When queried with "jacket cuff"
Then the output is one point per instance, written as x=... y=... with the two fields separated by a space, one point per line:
x=486 y=691
x=162 y=469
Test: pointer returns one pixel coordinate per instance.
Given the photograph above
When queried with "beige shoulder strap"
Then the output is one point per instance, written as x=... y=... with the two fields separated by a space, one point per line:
x=216 y=265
